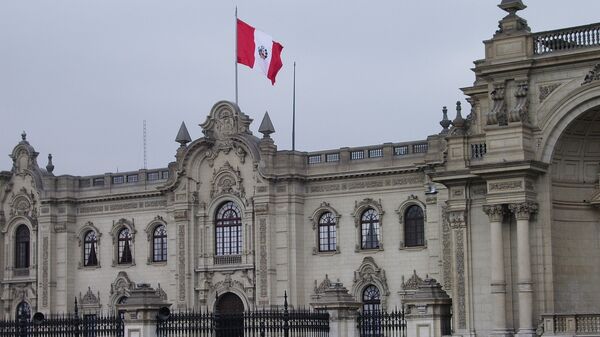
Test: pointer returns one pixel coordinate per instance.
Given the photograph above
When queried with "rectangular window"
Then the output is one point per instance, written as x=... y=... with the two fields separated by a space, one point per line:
x=376 y=153
x=420 y=148
x=118 y=180
x=151 y=176
x=355 y=155
x=84 y=183
x=332 y=157
x=165 y=174
x=99 y=181
x=314 y=159
x=401 y=150
x=132 y=178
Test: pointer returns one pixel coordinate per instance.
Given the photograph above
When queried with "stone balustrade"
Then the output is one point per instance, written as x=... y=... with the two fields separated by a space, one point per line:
x=566 y=39
x=571 y=324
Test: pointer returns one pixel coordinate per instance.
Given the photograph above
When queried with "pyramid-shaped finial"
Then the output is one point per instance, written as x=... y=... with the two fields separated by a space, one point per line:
x=183 y=136
x=266 y=126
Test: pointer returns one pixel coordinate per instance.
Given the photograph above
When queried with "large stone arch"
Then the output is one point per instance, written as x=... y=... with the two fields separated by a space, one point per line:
x=560 y=116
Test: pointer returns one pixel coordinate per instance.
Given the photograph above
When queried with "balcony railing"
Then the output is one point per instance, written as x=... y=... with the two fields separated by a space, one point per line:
x=571 y=324
x=566 y=39
x=228 y=259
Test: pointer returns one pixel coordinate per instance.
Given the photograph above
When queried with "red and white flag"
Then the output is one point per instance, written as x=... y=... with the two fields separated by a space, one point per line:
x=258 y=50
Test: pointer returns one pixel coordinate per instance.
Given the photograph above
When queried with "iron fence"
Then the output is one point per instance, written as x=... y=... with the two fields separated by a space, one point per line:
x=66 y=325
x=377 y=323
x=278 y=322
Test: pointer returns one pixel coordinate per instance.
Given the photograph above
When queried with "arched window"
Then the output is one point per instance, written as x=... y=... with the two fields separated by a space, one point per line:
x=125 y=246
x=159 y=244
x=371 y=315
x=414 y=227
x=121 y=312
x=23 y=312
x=90 y=249
x=370 y=235
x=327 y=233
x=22 y=247
x=371 y=299
x=228 y=230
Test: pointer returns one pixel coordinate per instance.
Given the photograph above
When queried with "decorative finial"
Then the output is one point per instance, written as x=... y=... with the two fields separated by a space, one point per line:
x=50 y=167
x=24 y=135
x=266 y=126
x=445 y=122
x=183 y=136
x=458 y=122
x=512 y=6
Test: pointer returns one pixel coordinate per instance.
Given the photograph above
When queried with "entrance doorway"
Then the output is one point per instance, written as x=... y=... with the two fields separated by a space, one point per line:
x=229 y=315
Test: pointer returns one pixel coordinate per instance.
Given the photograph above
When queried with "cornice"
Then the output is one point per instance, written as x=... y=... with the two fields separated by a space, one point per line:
x=341 y=176
x=103 y=198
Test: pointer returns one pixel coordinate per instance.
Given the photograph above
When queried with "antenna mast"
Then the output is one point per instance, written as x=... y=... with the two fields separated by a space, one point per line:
x=145 y=141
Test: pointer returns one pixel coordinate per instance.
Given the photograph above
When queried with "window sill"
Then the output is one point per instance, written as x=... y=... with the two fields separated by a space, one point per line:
x=157 y=263
x=89 y=267
x=368 y=250
x=123 y=265
x=413 y=248
x=325 y=253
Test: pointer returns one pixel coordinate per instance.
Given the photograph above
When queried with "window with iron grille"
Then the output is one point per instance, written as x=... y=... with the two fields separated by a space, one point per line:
x=420 y=148
x=355 y=155
x=90 y=249
x=370 y=229
x=159 y=244
x=327 y=233
x=132 y=178
x=124 y=252
x=228 y=229
x=371 y=299
x=22 y=240
x=375 y=153
x=414 y=227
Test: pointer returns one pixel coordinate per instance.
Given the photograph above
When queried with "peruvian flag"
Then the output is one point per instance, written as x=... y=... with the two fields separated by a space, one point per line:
x=258 y=50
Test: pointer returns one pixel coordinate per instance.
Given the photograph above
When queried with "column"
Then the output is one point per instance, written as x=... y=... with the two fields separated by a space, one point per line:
x=498 y=280
x=523 y=212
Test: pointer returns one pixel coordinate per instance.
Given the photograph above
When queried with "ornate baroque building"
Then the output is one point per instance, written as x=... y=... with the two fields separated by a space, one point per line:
x=500 y=207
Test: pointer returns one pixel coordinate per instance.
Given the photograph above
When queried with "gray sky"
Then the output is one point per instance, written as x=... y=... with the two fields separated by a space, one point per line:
x=81 y=76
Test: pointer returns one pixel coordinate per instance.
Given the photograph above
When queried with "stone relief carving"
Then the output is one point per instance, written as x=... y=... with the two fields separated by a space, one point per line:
x=360 y=206
x=326 y=283
x=460 y=279
x=546 y=90
x=498 y=113
x=446 y=249
x=89 y=299
x=181 y=262
x=457 y=219
x=225 y=120
x=263 y=257
x=45 y=268
x=225 y=146
x=121 y=286
x=161 y=293
x=520 y=113
x=592 y=75
x=227 y=180
x=23 y=204
x=370 y=273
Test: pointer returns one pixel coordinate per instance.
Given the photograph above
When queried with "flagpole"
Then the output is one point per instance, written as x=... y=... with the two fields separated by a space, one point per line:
x=236 y=55
x=294 y=111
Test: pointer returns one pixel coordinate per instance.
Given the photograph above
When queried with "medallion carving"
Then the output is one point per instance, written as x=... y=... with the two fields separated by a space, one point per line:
x=369 y=273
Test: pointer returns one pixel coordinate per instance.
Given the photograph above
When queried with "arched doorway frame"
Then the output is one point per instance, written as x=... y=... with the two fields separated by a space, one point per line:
x=222 y=290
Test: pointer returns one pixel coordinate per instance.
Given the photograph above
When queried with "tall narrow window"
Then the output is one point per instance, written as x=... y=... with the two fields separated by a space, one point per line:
x=159 y=240
x=228 y=230
x=22 y=247
x=414 y=227
x=90 y=249
x=370 y=236
x=125 y=246
x=371 y=322
x=327 y=233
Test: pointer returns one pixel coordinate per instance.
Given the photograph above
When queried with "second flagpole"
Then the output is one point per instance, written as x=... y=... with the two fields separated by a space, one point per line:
x=236 y=56
x=294 y=111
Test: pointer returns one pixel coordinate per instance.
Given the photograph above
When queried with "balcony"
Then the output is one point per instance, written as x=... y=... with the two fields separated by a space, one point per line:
x=571 y=324
x=566 y=39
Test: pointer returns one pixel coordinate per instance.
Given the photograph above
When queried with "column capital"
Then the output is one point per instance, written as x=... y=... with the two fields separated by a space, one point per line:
x=523 y=211
x=494 y=212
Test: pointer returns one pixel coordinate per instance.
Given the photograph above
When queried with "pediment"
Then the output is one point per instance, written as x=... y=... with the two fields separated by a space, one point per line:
x=226 y=120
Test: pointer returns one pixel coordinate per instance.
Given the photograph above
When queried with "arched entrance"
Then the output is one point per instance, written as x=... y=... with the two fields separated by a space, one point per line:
x=229 y=315
x=575 y=220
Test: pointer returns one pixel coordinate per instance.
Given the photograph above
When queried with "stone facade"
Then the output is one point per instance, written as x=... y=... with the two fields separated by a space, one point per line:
x=508 y=197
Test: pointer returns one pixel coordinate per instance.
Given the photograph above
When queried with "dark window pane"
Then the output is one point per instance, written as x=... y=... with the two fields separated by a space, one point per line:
x=228 y=230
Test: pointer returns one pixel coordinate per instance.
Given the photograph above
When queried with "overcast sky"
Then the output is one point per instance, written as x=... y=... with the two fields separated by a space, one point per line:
x=81 y=76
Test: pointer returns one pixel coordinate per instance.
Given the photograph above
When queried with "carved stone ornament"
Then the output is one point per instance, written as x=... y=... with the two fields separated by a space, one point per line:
x=457 y=219
x=89 y=299
x=412 y=283
x=520 y=113
x=523 y=211
x=121 y=286
x=161 y=293
x=369 y=273
x=226 y=120
x=120 y=224
x=326 y=283
x=498 y=113
x=546 y=90
x=361 y=206
x=592 y=75
x=158 y=220
x=23 y=204
x=227 y=181
x=494 y=212
x=226 y=147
